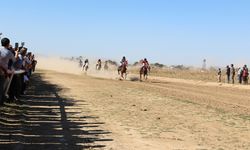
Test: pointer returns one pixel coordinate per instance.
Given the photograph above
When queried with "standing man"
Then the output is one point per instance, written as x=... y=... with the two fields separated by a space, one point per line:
x=245 y=74
x=228 y=74
x=219 y=75
x=240 y=72
x=232 y=73
x=5 y=56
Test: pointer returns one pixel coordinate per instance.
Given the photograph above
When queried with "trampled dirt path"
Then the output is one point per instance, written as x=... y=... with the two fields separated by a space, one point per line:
x=154 y=115
x=164 y=115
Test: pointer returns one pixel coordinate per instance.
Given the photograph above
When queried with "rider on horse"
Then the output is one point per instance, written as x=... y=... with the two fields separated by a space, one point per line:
x=123 y=62
x=99 y=64
x=144 y=69
x=106 y=67
x=122 y=69
x=99 y=61
x=86 y=65
x=80 y=62
x=145 y=64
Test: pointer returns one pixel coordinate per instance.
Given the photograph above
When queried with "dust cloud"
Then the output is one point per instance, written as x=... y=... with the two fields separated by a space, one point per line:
x=72 y=67
x=58 y=65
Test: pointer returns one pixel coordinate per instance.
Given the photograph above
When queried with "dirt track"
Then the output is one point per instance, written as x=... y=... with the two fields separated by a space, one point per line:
x=164 y=115
x=158 y=114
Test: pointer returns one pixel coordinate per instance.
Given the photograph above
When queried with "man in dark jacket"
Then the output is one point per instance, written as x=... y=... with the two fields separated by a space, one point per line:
x=232 y=73
x=228 y=74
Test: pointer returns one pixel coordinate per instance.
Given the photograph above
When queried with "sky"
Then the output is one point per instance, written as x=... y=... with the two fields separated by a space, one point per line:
x=166 y=31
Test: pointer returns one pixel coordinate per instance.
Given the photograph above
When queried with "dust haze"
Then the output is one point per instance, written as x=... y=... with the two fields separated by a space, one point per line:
x=72 y=67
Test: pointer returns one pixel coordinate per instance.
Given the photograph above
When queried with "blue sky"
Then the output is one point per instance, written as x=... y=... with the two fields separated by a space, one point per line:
x=165 y=31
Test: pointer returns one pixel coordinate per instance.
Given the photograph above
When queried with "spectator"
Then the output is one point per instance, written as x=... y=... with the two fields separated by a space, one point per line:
x=6 y=71
x=29 y=67
x=245 y=74
x=240 y=72
x=232 y=73
x=219 y=75
x=15 y=68
x=16 y=84
x=26 y=63
x=34 y=62
x=228 y=74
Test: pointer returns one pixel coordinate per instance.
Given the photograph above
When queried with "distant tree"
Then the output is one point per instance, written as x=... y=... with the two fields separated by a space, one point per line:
x=158 y=65
x=180 y=67
x=112 y=62
x=136 y=63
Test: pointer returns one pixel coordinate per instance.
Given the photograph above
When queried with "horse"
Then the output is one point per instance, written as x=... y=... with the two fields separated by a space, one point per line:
x=85 y=67
x=80 y=63
x=98 y=66
x=144 y=71
x=122 y=70
x=149 y=69
x=106 y=66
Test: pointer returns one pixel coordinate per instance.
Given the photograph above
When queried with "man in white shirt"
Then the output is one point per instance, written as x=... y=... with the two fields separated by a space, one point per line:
x=5 y=56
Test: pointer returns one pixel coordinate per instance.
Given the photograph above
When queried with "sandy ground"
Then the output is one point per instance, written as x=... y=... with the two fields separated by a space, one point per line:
x=97 y=111
x=160 y=113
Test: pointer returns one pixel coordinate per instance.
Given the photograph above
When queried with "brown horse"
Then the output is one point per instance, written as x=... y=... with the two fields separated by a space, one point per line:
x=144 y=71
x=122 y=70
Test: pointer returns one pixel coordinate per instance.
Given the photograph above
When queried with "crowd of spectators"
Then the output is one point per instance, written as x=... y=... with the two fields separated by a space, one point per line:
x=16 y=67
x=242 y=74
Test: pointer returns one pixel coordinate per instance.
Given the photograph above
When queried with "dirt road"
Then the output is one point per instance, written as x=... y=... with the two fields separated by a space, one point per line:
x=156 y=115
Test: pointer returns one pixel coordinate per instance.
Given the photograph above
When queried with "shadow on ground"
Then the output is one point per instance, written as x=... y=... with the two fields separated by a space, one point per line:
x=44 y=120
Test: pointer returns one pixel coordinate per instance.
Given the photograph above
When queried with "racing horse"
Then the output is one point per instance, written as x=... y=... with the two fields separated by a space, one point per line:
x=85 y=67
x=106 y=67
x=144 y=71
x=98 y=66
x=122 y=70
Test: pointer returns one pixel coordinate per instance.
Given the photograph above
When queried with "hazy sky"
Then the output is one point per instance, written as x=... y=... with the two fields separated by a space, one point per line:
x=166 y=31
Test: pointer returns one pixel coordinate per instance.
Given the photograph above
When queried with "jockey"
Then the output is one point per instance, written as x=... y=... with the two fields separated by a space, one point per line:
x=124 y=61
x=85 y=65
x=99 y=61
x=86 y=62
x=98 y=64
x=145 y=63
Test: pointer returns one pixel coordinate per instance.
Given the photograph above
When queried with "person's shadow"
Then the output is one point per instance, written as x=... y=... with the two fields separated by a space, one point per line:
x=44 y=120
